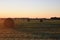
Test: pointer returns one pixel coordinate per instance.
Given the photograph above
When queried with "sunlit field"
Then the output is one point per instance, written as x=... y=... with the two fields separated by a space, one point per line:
x=32 y=30
x=48 y=29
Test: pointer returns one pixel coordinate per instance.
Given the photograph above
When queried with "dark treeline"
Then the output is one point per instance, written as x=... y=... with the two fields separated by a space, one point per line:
x=29 y=19
x=55 y=18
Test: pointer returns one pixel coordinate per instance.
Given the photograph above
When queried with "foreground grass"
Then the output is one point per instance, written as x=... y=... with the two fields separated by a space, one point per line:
x=48 y=29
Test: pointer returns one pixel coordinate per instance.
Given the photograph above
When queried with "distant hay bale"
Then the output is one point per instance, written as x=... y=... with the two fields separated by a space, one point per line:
x=28 y=20
x=9 y=22
x=41 y=20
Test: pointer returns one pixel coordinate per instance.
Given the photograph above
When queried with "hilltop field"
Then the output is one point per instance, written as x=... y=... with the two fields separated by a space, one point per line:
x=46 y=29
x=46 y=25
x=37 y=28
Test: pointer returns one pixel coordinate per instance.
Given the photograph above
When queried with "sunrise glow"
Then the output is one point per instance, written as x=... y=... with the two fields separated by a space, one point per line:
x=30 y=8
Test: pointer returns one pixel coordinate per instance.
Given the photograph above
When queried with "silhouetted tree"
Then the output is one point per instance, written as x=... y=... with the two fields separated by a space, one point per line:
x=55 y=18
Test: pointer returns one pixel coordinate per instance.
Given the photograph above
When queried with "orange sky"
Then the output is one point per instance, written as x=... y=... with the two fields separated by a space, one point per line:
x=30 y=9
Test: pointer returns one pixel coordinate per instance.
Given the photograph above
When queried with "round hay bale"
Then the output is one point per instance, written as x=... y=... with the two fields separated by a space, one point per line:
x=9 y=23
x=41 y=20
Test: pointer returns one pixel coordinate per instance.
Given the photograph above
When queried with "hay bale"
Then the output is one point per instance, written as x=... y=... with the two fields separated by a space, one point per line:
x=9 y=23
x=41 y=20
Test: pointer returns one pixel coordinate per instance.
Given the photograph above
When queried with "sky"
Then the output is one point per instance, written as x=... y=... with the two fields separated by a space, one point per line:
x=29 y=8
